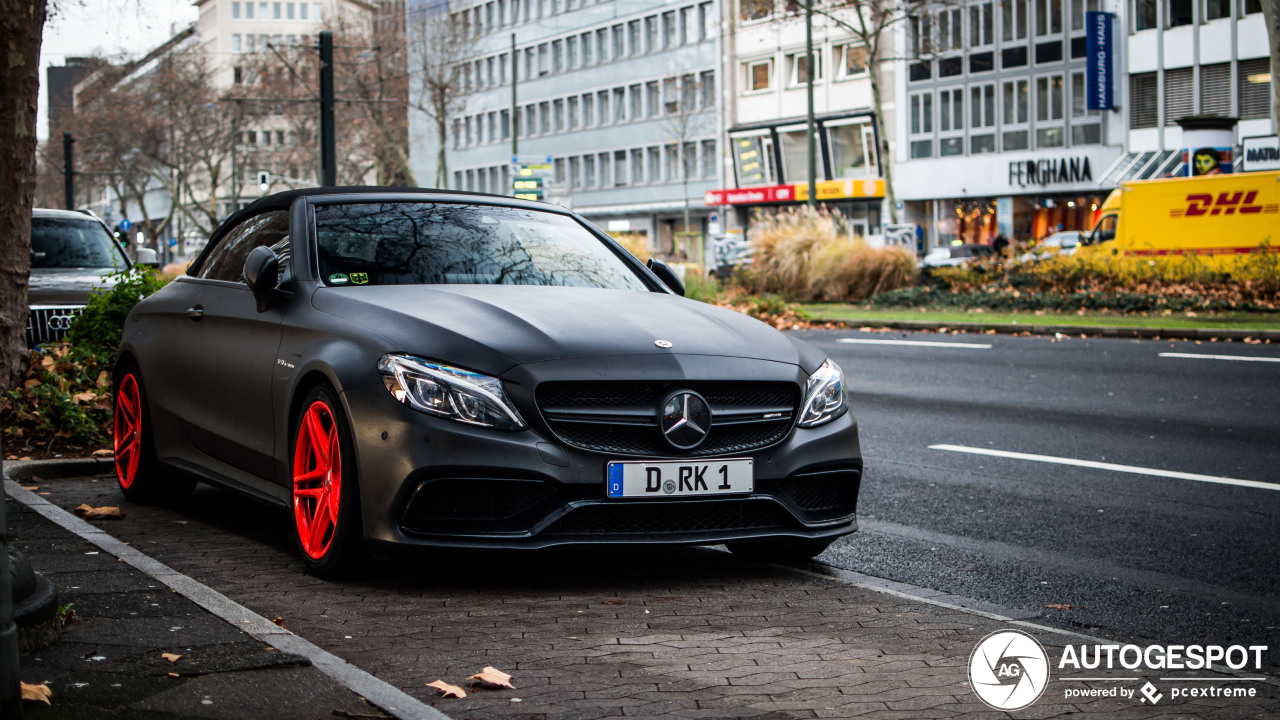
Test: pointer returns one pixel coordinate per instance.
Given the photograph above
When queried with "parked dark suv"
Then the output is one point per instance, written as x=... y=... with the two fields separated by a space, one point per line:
x=71 y=255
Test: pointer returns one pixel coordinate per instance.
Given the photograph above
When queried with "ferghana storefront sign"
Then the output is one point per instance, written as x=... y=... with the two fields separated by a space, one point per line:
x=1051 y=171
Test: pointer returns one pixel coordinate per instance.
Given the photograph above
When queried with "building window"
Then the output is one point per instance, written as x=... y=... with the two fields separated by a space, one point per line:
x=1048 y=17
x=689 y=161
x=637 y=101
x=1143 y=100
x=708 y=158
x=602 y=45
x=573 y=112
x=619 y=104
x=561 y=172
x=589 y=171
x=653 y=158
x=602 y=107
x=1217 y=9
x=668 y=29
x=1013 y=20
x=688 y=25
x=606 y=164
x=504 y=125
x=235 y=11
x=1084 y=129
x=619 y=168
x=633 y=37
x=619 y=42
x=798 y=68
x=651 y=33
x=759 y=75
x=588 y=110
x=1080 y=7
x=951 y=122
x=922 y=124
x=586 y=49
x=705 y=20
x=753 y=158
x=557 y=56
x=707 y=88
x=571 y=52
x=652 y=100
x=1015 y=101
x=235 y=42
x=1049 y=111
x=1179 y=98
x=575 y=176
x=557 y=112
x=1255 y=89
x=530 y=120
x=248 y=11
x=1180 y=13
x=981 y=25
x=1144 y=15
x=277 y=12
x=544 y=59
x=950 y=30
x=688 y=93
x=749 y=10
x=982 y=119
x=920 y=34
x=637 y=167
x=544 y=117
x=671 y=157
x=1249 y=7
x=851 y=61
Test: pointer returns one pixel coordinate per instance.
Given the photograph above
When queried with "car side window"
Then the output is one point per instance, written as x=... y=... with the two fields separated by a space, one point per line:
x=227 y=260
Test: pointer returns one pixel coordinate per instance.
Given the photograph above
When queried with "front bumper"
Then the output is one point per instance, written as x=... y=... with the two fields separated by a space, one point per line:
x=429 y=481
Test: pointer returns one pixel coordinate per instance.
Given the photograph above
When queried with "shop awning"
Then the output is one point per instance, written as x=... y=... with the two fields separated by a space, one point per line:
x=1141 y=166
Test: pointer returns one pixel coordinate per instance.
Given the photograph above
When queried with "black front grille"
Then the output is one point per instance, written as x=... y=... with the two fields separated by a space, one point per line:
x=47 y=324
x=621 y=417
x=826 y=492
x=456 y=503
x=673 y=519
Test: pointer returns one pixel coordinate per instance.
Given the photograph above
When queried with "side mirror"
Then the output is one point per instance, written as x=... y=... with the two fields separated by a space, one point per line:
x=146 y=256
x=666 y=275
x=262 y=274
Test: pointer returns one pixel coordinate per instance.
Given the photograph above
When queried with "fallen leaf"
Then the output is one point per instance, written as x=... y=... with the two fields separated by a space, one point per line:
x=279 y=621
x=32 y=383
x=92 y=513
x=447 y=690
x=84 y=397
x=174 y=675
x=32 y=488
x=171 y=657
x=615 y=602
x=492 y=676
x=104 y=452
x=1058 y=606
x=36 y=693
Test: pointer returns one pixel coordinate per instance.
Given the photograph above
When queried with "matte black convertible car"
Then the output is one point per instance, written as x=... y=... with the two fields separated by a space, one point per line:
x=425 y=368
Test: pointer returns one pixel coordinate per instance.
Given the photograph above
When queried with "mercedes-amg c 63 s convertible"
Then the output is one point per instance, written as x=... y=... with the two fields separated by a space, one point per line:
x=428 y=368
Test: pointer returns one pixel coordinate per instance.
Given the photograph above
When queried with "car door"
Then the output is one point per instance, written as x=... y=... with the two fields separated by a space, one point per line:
x=226 y=351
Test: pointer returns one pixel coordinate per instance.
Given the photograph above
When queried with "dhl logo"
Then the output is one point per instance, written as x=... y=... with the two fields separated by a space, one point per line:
x=1225 y=204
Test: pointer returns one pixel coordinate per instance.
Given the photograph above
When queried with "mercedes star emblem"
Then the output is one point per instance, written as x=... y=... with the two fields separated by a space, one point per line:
x=684 y=419
x=662 y=343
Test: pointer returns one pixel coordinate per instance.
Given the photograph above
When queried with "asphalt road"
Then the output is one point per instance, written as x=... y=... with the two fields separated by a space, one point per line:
x=1136 y=556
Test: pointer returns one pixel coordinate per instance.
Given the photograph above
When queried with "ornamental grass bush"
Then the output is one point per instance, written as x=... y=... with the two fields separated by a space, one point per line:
x=807 y=255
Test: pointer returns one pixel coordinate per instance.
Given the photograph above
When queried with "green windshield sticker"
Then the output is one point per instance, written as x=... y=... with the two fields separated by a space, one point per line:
x=359 y=278
x=338 y=279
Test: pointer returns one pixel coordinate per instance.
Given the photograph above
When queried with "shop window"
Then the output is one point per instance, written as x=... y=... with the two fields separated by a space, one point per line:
x=1255 y=89
x=795 y=154
x=852 y=148
x=851 y=61
x=1013 y=20
x=1145 y=15
x=1179 y=95
x=1180 y=13
x=1048 y=17
x=759 y=75
x=798 y=68
x=753 y=159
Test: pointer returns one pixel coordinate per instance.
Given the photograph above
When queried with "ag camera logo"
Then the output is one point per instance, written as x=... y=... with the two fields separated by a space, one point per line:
x=1008 y=670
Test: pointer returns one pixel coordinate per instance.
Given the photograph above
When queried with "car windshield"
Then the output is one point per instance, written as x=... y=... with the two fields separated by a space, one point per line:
x=58 y=242
x=417 y=243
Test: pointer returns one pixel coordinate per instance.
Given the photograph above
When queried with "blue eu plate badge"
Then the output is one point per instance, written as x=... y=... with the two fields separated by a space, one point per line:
x=615 y=479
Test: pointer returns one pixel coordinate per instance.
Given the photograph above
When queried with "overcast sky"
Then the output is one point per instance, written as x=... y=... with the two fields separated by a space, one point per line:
x=114 y=27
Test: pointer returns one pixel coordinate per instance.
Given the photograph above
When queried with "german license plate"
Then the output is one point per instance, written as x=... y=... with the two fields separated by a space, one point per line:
x=627 y=479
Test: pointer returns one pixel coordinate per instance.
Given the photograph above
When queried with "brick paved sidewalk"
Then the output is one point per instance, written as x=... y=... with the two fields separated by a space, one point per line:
x=109 y=662
x=688 y=633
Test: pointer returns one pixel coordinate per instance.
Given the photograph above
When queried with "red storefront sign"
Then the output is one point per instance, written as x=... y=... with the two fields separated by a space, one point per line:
x=750 y=196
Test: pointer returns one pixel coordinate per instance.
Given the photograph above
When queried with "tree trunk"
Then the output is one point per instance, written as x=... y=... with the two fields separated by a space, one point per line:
x=442 y=162
x=886 y=157
x=22 y=23
x=1271 y=13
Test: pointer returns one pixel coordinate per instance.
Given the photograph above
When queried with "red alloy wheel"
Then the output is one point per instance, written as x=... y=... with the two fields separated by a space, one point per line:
x=317 y=480
x=127 y=434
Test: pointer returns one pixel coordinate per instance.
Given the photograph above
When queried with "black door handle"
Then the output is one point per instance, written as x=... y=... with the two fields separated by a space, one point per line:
x=195 y=312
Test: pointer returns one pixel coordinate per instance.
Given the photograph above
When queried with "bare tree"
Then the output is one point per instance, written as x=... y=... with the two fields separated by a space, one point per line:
x=684 y=122
x=871 y=23
x=22 y=25
x=440 y=50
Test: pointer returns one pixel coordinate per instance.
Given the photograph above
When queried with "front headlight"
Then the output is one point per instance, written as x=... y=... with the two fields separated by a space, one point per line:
x=825 y=398
x=449 y=392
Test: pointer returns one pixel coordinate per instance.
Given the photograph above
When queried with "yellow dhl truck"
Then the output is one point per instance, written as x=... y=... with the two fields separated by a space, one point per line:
x=1219 y=218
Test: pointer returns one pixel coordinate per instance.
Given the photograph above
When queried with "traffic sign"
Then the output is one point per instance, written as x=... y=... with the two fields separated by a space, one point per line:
x=527 y=183
x=125 y=224
x=535 y=195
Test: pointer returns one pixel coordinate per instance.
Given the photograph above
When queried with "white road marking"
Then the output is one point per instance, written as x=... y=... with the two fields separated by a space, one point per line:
x=916 y=343
x=1243 y=358
x=1109 y=466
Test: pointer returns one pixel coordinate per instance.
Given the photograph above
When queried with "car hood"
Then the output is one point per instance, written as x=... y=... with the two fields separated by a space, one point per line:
x=66 y=286
x=491 y=328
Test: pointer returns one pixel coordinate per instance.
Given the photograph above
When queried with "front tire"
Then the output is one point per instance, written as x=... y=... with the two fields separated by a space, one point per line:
x=138 y=472
x=326 y=499
x=780 y=551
